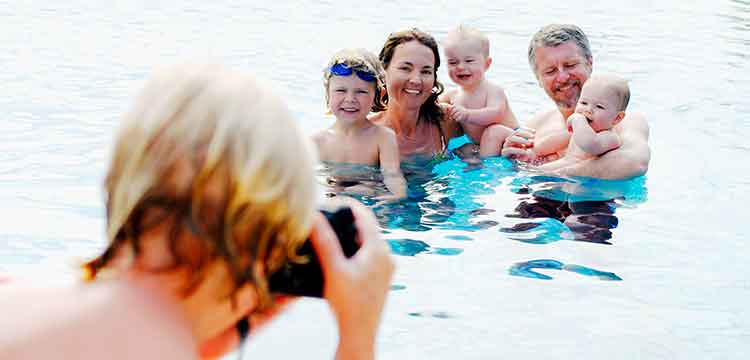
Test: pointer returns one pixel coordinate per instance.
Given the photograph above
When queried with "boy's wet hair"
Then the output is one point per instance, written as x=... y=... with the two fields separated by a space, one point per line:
x=358 y=60
x=463 y=32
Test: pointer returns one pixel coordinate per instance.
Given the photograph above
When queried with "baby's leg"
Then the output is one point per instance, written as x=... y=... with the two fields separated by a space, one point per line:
x=493 y=138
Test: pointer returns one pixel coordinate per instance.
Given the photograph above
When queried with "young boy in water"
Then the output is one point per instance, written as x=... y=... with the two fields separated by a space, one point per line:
x=600 y=107
x=354 y=85
x=480 y=106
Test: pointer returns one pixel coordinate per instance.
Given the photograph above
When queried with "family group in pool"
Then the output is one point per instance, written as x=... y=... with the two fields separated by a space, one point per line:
x=392 y=108
x=211 y=189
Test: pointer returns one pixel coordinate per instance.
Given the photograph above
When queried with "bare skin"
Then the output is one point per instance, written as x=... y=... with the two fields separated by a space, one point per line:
x=355 y=140
x=410 y=78
x=484 y=115
x=561 y=71
x=479 y=106
x=140 y=315
x=374 y=145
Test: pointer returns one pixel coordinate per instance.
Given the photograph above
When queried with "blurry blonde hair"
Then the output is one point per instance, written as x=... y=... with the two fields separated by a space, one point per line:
x=359 y=60
x=223 y=126
x=463 y=32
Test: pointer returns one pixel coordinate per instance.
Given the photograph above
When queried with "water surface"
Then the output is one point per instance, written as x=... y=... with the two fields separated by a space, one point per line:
x=651 y=268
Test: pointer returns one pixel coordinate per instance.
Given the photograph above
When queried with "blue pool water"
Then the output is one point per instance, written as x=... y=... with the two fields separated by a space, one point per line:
x=492 y=262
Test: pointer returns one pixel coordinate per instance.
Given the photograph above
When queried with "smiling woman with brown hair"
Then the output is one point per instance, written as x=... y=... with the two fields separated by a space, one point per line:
x=411 y=60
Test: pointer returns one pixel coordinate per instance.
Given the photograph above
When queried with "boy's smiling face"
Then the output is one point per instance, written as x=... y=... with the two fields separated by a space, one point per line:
x=350 y=98
x=467 y=61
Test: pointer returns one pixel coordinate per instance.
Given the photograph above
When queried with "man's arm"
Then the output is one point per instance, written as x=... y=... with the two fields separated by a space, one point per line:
x=629 y=160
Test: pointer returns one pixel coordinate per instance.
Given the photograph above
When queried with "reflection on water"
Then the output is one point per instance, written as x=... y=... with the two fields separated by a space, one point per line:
x=526 y=269
x=570 y=209
x=64 y=92
x=410 y=247
x=440 y=195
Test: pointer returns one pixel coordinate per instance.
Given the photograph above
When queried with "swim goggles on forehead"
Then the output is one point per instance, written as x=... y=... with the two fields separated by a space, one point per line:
x=344 y=70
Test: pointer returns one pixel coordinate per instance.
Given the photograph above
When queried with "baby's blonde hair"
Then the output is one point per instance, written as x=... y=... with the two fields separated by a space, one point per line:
x=221 y=126
x=463 y=32
x=617 y=85
x=358 y=60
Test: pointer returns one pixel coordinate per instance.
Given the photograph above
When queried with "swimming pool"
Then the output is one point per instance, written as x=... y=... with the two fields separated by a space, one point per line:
x=656 y=272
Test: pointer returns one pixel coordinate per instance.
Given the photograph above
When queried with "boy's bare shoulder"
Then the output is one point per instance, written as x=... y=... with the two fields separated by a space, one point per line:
x=320 y=136
x=383 y=132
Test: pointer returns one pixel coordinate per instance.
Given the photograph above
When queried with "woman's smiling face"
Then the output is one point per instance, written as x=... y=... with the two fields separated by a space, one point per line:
x=410 y=76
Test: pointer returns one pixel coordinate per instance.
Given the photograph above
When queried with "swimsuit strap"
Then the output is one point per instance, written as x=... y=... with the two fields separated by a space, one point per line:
x=443 y=144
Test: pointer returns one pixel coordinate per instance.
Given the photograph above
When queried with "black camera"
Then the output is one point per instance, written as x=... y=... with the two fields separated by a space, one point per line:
x=306 y=279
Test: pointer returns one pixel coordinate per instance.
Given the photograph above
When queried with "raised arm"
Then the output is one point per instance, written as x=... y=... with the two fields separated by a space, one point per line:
x=588 y=140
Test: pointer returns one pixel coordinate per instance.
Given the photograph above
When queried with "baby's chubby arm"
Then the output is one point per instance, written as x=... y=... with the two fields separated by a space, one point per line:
x=496 y=111
x=590 y=141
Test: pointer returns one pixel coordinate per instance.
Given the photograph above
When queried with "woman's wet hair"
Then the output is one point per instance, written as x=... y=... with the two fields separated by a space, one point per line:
x=358 y=60
x=218 y=159
x=430 y=111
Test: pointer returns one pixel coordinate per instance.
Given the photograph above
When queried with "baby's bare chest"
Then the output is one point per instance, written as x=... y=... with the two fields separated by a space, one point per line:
x=471 y=101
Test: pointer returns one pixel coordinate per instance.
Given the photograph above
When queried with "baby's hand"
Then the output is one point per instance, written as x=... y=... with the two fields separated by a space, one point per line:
x=572 y=117
x=458 y=113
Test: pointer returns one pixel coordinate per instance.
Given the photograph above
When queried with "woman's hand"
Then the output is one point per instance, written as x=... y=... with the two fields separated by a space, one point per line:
x=355 y=287
x=519 y=145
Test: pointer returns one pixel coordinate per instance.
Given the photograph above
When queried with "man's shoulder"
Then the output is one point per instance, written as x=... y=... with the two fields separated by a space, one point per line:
x=634 y=123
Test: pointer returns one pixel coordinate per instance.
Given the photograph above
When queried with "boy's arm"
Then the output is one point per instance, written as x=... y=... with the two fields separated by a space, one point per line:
x=319 y=139
x=590 y=141
x=390 y=163
x=497 y=111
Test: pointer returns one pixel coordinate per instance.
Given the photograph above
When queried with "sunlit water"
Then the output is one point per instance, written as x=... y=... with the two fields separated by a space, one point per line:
x=492 y=263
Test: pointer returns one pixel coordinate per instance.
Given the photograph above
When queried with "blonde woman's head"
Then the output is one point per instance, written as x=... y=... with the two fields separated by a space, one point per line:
x=218 y=158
